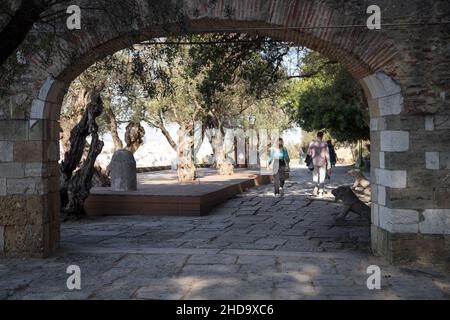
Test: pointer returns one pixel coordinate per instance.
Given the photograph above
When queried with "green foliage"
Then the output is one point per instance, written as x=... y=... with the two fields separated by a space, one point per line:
x=234 y=57
x=329 y=100
x=293 y=150
x=243 y=78
x=220 y=80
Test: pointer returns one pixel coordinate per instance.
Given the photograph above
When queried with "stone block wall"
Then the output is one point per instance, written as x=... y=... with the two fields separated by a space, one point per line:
x=29 y=187
x=411 y=207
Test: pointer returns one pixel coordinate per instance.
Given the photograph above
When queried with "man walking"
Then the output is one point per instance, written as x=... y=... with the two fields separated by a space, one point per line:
x=318 y=150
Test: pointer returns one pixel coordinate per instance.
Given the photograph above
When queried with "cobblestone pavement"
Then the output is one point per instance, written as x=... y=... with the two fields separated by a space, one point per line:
x=254 y=246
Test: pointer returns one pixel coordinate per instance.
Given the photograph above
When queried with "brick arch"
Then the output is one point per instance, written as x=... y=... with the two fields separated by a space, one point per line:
x=364 y=54
x=411 y=211
x=360 y=51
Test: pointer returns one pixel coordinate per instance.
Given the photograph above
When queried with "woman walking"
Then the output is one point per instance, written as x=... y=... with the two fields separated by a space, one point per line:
x=280 y=158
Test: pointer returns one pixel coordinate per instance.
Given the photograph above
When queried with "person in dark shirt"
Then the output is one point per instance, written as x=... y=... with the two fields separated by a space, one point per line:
x=333 y=156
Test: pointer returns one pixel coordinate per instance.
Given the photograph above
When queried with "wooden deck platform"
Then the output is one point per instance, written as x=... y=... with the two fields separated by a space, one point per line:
x=159 y=193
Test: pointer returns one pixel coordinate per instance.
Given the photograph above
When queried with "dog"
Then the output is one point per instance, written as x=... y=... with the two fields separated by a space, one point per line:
x=351 y=203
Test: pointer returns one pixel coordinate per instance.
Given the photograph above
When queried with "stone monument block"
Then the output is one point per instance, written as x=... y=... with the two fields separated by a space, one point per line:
x=123 y=171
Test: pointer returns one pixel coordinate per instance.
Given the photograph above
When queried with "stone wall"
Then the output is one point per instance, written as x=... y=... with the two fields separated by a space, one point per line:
x=29 y=187
x=404 y=69
x=410 y=214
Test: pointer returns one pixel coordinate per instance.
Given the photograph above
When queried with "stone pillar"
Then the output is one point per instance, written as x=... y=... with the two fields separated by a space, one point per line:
x=29 y=187
x=253 y=150
x=410 y=215
x=240 y=148
x=123 y=171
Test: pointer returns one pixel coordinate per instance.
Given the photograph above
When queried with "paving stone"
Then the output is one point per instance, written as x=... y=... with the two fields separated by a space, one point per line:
x=251 y=247
x=113 y=293
x=212 y=259
x=260 y=260
x=146 y=261
x=160 y=293
x=209 y=269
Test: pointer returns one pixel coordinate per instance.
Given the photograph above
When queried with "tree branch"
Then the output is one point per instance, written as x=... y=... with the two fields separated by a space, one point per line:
x=19 y=25
x=165 y=132
x=313 y=73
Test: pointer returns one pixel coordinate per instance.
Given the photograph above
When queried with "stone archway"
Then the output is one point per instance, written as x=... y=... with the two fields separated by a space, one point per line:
x=408 y=106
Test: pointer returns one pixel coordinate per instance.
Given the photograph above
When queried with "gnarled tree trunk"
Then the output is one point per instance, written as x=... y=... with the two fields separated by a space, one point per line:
x=76 y=185
x=134 y=136
x=101 y=177
x=113 y=126
x=224 y=166
x=186 y=169
x=22 y=21
x=70 y=119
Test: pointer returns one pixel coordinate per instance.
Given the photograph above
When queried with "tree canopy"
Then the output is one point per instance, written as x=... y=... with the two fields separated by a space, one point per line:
x=330 y=99
x=218 y=80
